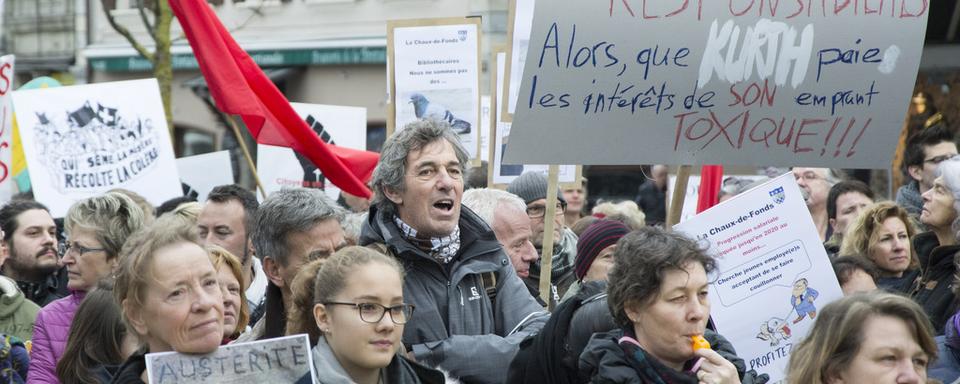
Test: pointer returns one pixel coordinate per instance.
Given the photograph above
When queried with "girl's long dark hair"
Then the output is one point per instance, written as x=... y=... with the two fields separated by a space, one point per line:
x=95 y=338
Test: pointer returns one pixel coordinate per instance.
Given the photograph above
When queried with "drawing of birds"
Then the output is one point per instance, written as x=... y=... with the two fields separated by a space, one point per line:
x=424 y=108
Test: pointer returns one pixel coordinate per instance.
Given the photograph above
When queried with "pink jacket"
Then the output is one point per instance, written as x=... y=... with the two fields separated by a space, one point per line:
x=50 y=337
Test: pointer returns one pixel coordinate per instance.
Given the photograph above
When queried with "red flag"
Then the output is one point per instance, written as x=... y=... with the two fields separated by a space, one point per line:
x=710 y=178
x=240 y=87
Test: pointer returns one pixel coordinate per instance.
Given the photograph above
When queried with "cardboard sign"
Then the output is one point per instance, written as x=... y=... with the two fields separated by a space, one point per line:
x=434 y=67
x=279 y=360
x=7 y=182
x=203 y=172
x=800 y=82
x=519 y=23
x=772 y=272
x=282 y=167
x=500 y=173
x=486 y=118
x=83 y=140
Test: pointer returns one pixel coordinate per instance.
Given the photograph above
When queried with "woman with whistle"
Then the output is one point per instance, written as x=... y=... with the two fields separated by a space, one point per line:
x=657 y=293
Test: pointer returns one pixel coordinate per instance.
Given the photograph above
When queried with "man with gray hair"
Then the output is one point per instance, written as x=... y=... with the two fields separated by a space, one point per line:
x=293 y=227
x=507 y=215
x=815 y=184
x=532 y=188
x=472 y=310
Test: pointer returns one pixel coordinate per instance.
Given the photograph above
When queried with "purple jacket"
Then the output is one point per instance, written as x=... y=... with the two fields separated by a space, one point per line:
x=50 y=337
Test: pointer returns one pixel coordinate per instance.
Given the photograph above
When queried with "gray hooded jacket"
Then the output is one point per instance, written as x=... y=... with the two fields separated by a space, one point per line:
x=455 y=327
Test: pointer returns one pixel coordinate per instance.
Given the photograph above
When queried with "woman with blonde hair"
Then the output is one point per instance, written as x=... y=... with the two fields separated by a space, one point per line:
x=876 y=337
x=169 y=294
x=236 y=313
x=359 y=316
x=883 y=234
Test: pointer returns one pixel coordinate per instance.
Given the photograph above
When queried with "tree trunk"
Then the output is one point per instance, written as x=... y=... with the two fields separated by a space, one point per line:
x=163 y=63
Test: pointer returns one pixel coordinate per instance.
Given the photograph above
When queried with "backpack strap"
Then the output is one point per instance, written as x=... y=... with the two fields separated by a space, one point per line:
x=489 y=281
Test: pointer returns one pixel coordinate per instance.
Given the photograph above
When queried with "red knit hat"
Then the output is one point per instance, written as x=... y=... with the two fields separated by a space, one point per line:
x=597 y=237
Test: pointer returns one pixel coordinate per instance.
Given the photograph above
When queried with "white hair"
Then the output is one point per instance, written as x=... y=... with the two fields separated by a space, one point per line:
x=484 y=202
x=950 y=171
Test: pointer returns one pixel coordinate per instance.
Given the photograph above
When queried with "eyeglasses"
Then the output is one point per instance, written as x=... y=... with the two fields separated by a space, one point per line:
x=373 y=312
x=938 y=159
x=537 y=211
x=64 y=248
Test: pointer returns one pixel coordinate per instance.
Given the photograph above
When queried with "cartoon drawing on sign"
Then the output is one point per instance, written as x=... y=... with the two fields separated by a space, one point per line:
x=95 y=148
x=802 y=300
x=774 y=330
x=312 y=177
x=424 y=108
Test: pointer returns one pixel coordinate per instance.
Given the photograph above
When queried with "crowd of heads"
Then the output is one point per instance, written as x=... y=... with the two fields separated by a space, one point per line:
x=370 y=281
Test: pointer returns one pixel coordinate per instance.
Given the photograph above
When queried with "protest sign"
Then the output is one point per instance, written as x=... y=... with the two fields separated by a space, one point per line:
x=519 y=22
x=203 y=172
x=6 y=126
x=500 y=173
x=434 y=67
x=278 y=360
x=718 y=82
x=692 y=193
x=486 y=118
x=84 y=140
x=772 y=272
x=283 y=167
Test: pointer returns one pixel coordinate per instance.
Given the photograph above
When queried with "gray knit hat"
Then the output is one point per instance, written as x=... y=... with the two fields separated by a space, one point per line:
x=532 y=186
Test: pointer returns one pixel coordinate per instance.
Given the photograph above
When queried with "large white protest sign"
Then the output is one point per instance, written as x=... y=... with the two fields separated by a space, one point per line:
x=518 y=34
x=436 y=74
x=772 y=272
x=203 y=172
x=6 y=125
x=717 y=82
x=501 y=173
x=280 y=167
x=279 y=360
x=83 y=140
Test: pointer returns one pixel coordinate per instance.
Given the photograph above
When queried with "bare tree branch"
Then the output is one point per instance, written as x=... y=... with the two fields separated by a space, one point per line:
x=146 y=22
x=123 y=31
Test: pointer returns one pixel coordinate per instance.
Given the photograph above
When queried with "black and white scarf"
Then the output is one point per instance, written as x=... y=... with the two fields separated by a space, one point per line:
x=443 y=249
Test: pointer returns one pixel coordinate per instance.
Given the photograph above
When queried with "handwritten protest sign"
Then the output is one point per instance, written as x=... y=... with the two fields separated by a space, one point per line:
x=283 y=167
x=772 y=271
x=700 y=82
x=434 y=67
x=81 y=141
x=279 y=360
x=203 y=172
x=500 y=173
x=6 y=126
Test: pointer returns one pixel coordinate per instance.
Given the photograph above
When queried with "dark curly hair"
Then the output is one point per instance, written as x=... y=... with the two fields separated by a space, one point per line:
x=641 y=260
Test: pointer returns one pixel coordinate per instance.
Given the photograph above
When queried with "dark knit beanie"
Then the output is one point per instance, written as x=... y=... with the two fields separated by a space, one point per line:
x=594 y=239
x=532 y=186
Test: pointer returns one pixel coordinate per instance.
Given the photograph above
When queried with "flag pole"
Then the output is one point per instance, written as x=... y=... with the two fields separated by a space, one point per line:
x=246 y=154
x=678 y=195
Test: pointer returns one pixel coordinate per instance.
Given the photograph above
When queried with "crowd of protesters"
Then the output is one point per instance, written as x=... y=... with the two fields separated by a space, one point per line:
x=430 y=283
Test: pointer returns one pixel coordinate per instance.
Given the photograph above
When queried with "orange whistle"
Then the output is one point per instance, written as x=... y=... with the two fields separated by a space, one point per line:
x=699 y=342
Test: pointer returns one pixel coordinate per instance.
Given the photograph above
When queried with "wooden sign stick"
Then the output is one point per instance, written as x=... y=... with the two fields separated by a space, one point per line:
x=678 y=195
x=546 y=259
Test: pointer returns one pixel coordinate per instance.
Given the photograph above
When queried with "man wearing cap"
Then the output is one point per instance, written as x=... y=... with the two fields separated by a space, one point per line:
x=595 y=253
x=532 y=188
